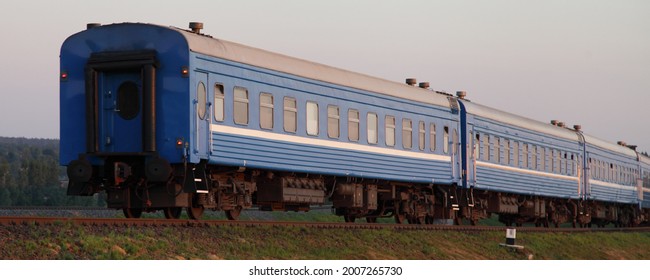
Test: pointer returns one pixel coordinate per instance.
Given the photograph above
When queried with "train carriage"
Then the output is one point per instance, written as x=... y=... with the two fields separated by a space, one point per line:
x=162 y=118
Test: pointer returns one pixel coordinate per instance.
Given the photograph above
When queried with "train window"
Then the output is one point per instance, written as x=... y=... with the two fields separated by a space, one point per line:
x=497 y=150
x=506 y=152
x=407 y=133
x=555 y=164
x=290 y=114
x=333 y=117
x=422 y=132
x=372 y=128
x=515 y=153
x=266 y=111
x=477 y=145
x=534 y=158
x=524 y=155
x=201 y=98
x=353 y=125
x=390 y=131
x=542 y=159
x=312 y=118
x=486 y=147
x=445 y=140
x=454 y=142
x=219 y=103
x=241 y=105
x=432 y=137
x=646 y=179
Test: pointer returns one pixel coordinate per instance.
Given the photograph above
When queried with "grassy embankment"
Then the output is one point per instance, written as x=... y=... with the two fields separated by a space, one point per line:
x=66 y=241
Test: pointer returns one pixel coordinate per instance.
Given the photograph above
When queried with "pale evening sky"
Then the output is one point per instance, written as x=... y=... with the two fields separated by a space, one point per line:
x=582 y=62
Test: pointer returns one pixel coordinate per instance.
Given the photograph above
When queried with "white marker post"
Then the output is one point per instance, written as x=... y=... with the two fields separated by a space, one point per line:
x=511 y=236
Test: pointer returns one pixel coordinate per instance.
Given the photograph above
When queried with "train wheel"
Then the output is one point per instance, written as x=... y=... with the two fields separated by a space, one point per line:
x=371 y=220
x=349 y=218
x=173 y=212
x=132 y=213
x=428 y=220
x=195 y=213
x=233 y=214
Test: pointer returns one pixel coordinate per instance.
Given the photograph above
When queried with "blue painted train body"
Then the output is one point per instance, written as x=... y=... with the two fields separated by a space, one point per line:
x=146 y=109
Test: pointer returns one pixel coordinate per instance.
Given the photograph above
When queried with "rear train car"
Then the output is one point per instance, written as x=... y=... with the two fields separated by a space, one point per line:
x=162 y=118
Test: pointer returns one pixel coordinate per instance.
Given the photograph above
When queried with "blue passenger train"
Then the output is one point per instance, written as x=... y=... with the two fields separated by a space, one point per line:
x=162 y=118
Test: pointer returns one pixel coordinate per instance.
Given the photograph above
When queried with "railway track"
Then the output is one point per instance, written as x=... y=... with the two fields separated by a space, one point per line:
x=122 y=222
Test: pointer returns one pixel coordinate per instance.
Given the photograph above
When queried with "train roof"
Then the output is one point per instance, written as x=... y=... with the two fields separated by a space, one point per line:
x=519 y=121
x=208 y=45
x=549 y=129
x=609 y=146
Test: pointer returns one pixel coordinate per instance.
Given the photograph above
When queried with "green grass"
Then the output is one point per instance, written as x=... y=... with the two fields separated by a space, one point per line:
x=68 y=241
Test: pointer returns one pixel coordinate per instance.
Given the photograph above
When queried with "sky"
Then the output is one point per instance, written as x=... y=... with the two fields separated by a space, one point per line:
x=583 y=62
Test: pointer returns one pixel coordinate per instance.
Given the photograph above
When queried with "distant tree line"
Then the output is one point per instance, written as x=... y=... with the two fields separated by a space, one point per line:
x=30 y=175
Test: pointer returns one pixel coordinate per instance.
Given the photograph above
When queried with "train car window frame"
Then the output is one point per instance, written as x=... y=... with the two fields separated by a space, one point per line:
x=497 y=149
x=389 y=130
x=542 y=157
x=477 y=146
x=506 y=151
x=485 y=155
x=219 y=102
x=333 y=122
x=372 y=128
x=454 y=142
x=201 y=100
x=445 y=140
x=311 y=118
x=407 y=133
x=266 y=111
x=240 y=105
x=422 y=135
x=353 y=125
x=525 y=162
x=290 y=114
x=515 y=153
x=534 y=157
x=432 y=137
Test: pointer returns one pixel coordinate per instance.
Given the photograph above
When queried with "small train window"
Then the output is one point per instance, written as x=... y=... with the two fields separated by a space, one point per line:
x=372 y=128
x=422 y=132
x=506 y=152
x=290 y=114
x=353 y=125
x=128 y=100
x=534 y=158
x=542 y=159
x=266 y=111
x=241 y=105
x=202 y=100
x=432 y=137
x=312 y=118
x=219 y=103
x=390 y=131
x=485 y=155
x=524 y=155
x=407 y=133
x=454 y=143
x=497 y=150
x=333 y=117
x=515 y=153
x=445 y=140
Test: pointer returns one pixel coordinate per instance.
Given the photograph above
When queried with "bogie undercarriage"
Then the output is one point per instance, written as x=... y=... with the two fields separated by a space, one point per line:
x=201 y=187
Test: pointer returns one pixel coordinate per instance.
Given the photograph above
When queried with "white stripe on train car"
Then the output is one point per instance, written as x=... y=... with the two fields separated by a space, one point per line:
x=612 y=185
x=526 y=171
x=324 y=143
